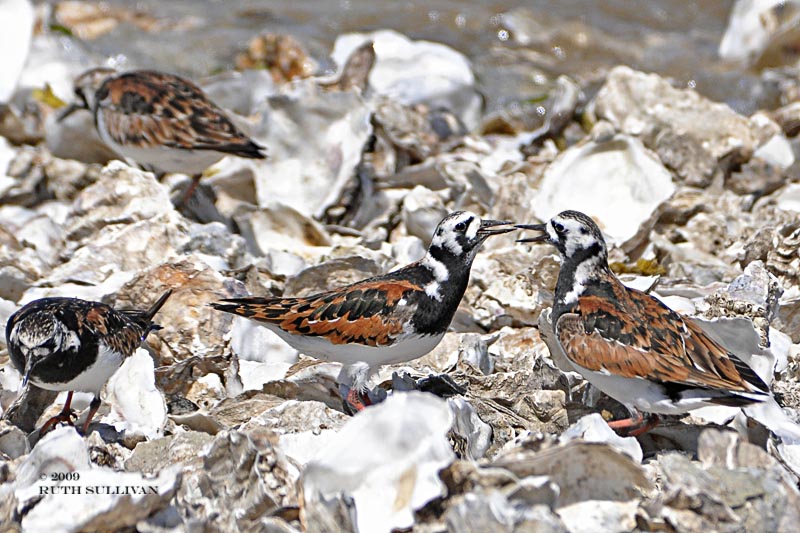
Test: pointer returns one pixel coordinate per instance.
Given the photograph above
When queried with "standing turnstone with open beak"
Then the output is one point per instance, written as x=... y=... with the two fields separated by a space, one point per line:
x=388 y=319
x=629 y=344
x=67 y=344
x=160 y=120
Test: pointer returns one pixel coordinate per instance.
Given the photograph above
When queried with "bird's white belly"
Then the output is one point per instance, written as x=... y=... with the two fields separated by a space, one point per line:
x=643 y=394
x=407 y=349
x=93 y=378
x=160 y=157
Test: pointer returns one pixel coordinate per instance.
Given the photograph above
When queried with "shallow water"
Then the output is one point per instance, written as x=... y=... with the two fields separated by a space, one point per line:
x=581 y=38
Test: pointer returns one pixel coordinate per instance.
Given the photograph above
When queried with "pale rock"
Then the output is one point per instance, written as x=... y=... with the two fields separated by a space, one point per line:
x=334 y=272
x=474 y=350
x=122 y=195
x=386 y=459
x=413 y=72
x=776 y=151
x=491 y=510
x=691 y=134
x=315 y=140
x=515 y=297
x=310 y=379
x=192 y=327
x=408 y=249
x=13 y=442
x=10 y=378
x=53 y=59
x=255 y=343
x=94 y=293
x=137 y=406
x=45 y=235
x=92 y=511
x=61 y=450
x=281 y=227
x=214 y=241
x=679 y=304
x=788 y=197
x=592 y=428
x=640 y=283
x=600 y=468
x=422 y=211
x=239 y=479
x=7 y=155
x=305 y=428
x=75 y=137
x=469 y=426
x=207 y=391
x=255 y=374
x=618 y=182
x=16 y=27
x=599 y=515
x=758 y=30
x=153 y=456
x=240 y=91
x=124 y=248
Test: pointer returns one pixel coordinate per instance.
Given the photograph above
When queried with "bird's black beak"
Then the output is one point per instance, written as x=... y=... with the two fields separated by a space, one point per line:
x=70 y=109
x=490 y=227
x=544 y=237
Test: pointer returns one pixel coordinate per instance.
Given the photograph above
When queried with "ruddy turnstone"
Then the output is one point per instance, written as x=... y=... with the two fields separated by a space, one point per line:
x=383 y=320
x=629 y=344
x=160 y=120
x=67 y=344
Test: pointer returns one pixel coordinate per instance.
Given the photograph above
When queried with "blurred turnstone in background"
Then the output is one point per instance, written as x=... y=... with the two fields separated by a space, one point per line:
x=160 y=120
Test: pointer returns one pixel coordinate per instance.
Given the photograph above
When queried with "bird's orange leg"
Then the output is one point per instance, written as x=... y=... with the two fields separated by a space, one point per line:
x=635 y=425
x=66 y=415
x=358 y=400
x=190 y=191
x=93 y=407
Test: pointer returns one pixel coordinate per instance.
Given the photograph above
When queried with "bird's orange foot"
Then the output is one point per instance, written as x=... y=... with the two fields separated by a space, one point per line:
x=67 y=416
x=634 y=425
x=356 y=401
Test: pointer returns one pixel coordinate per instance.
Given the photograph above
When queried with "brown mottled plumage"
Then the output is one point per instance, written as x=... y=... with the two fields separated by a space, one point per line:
x=629 y=344
x=67 y=344
x=353 y=315
x=160 y=120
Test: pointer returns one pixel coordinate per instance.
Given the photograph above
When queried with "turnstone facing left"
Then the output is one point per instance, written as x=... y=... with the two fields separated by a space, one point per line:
x=629 y=344
x=383 y=320
x=160 y=120
x=68 y=344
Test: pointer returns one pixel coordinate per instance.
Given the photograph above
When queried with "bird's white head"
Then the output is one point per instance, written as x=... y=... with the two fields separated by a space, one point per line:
x=85 y=87
x=461 y=233
x=575 y=235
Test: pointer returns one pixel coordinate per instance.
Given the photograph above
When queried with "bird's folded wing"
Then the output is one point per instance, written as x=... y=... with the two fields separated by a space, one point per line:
x=372 y=313
x=646 y=339
x=161 y=110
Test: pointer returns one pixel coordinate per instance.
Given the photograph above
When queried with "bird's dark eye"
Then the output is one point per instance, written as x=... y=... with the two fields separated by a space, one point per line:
x=558 y=227
x=461 y=226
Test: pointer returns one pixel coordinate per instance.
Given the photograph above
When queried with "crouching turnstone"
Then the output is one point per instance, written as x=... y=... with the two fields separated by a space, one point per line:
x=160 y=120
x=67 y=344
x=629 y=344
x=383 y=320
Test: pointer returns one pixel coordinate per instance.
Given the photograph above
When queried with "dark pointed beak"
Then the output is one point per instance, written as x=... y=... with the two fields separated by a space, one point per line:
x=70 y=109
x=544 y=237
x=490 y=227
